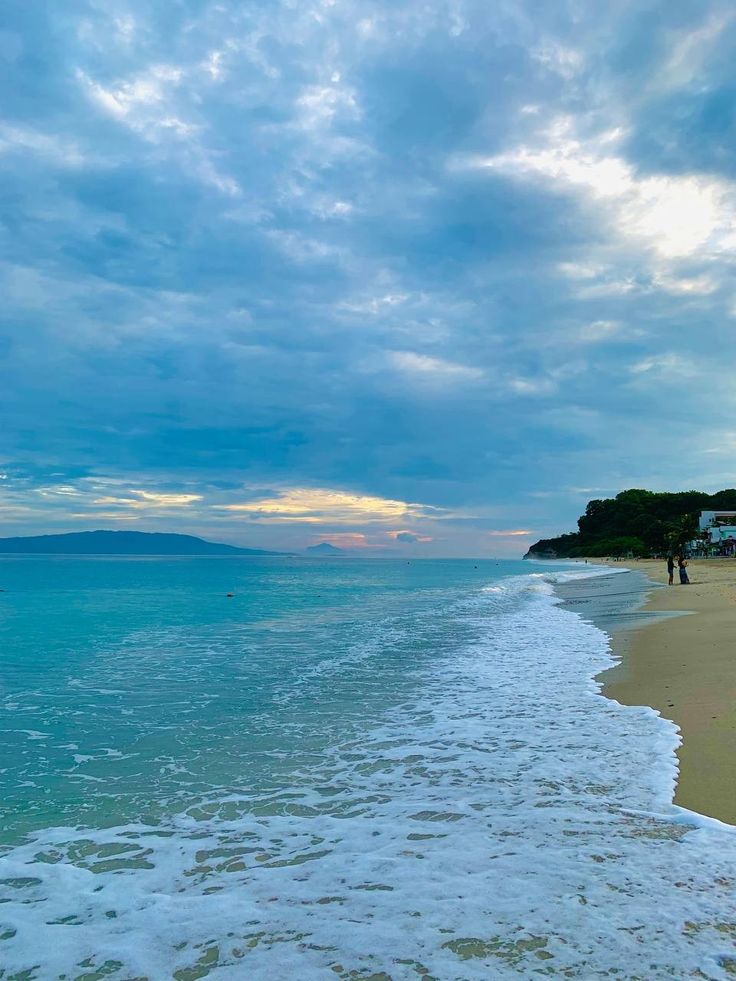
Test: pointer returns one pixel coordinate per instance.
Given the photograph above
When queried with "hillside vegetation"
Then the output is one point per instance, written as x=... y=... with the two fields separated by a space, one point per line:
x=636 y=522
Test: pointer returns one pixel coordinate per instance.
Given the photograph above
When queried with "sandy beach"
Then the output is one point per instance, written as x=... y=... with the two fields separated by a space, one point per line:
x=685 y=667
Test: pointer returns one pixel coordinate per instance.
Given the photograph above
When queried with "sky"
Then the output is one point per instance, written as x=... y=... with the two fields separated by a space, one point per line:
x=412 y=278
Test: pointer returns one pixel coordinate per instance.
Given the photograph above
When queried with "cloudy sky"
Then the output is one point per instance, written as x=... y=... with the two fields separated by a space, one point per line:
x=409 y=276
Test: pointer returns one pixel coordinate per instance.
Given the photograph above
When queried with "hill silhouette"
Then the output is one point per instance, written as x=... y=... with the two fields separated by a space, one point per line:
x=120 y=543
x=324 y=548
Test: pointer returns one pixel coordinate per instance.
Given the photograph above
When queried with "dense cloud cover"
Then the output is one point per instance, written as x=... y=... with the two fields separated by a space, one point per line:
x=413 y=276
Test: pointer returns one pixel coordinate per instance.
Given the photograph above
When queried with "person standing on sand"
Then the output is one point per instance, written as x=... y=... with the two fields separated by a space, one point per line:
x=670 y=569
x=682 y=566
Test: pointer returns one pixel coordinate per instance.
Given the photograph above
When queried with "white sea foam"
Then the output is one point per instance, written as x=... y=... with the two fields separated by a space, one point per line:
x=506 y=822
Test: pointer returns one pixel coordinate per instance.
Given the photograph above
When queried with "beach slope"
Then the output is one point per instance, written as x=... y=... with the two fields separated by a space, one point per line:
x=685 y=667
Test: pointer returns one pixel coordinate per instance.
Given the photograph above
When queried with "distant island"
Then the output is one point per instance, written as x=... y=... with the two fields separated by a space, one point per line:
x=634 y=523
x=120 y=543
x=324 y=548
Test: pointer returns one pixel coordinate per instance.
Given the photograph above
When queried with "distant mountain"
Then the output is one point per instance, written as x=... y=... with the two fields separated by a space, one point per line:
x=324 y=548
x=120 y=543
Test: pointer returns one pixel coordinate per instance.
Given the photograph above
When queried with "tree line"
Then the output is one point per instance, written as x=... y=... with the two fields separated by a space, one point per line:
x=636 y=522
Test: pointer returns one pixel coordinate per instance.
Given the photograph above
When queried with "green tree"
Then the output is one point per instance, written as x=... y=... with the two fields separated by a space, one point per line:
x=681 y=531
x=659 y=522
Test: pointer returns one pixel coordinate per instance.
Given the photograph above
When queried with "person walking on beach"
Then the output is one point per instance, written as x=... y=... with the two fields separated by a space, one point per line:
x=682 y=566
x=670 y=569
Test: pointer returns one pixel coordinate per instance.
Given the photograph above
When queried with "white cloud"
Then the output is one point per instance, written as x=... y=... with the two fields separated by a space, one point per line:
x=147 y=104
x=723 y=444
x=125 y=27
x=676 y=216
x=326 y=209
x=688 y=50
x=301 y=247
x=142 y=500
x=208 y=174
x=608 y=287
x=96 y=498
x=580 y=270
x=423 y=366
x=213 y=65
x=672 y=365
x=60 y=490
x=601 y=330
x=535 y=387
x=559 y=59
x=150 y=88
x=702 y=285
x=376 y=304
x=318 y=105
x=58 y=150
x=600 y=281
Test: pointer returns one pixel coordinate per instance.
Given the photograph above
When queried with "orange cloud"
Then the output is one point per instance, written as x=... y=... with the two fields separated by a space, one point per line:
x=319 y=504
x=510 y=533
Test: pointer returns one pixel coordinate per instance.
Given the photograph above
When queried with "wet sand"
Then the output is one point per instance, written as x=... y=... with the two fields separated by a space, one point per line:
x=685 y=667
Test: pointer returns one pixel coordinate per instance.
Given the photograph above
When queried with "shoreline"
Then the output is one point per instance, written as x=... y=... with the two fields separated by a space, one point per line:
x=676 y=650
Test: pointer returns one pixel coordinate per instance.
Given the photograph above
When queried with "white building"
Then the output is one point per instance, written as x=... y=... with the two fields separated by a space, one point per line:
x=719 y=531
x=710 y=518
x=724 y=536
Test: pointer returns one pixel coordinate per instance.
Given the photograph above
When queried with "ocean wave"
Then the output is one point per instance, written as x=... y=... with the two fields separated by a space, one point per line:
x=503 y=820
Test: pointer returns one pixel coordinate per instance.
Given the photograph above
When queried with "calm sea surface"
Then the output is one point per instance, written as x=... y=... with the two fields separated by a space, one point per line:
x=350 y=769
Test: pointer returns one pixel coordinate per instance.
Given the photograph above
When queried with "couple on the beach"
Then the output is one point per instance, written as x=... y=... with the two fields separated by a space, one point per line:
x=682 y=567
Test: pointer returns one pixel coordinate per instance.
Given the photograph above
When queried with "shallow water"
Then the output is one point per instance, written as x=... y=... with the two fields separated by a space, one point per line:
x=350 y=769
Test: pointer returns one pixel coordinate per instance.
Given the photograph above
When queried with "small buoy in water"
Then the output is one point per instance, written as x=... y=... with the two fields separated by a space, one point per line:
x=230 y=595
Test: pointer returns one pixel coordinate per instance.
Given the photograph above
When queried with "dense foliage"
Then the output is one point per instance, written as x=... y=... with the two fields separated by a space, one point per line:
x=636 y=522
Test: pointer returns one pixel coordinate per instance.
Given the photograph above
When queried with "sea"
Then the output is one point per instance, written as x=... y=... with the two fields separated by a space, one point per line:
x=348 y=769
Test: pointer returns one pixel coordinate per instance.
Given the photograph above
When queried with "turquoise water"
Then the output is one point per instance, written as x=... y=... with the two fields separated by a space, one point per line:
x=134 y=688
x=349 y=769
